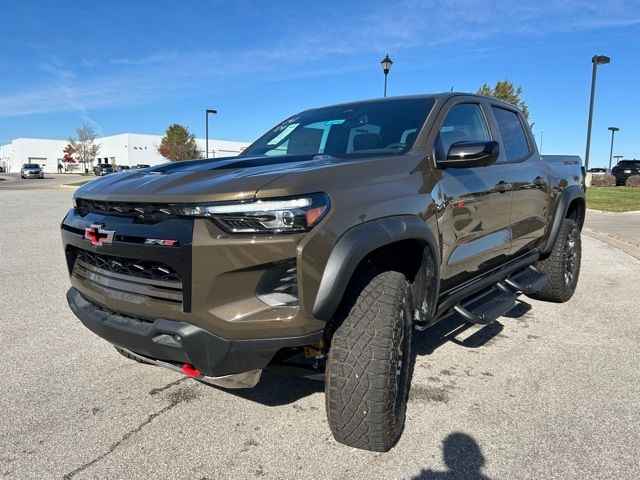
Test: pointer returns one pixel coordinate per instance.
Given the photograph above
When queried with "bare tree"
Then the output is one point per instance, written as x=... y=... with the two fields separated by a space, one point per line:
x=85 y=149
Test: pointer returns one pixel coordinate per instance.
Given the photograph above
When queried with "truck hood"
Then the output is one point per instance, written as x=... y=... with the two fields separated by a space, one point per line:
x=220 y=179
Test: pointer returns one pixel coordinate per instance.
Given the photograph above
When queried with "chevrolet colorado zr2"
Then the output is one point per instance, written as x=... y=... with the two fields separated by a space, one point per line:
x=321 y=247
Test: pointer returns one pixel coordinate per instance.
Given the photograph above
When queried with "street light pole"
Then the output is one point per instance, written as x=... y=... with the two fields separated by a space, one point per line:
x=541 y=137
x=613 y=132
x=206 y=143
x=596 y=60
x=618 y=157
x=386 y=66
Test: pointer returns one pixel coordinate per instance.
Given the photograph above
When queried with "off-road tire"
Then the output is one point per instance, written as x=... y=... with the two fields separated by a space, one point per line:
x=367 y=375
x=567 y=249
x=125 y=354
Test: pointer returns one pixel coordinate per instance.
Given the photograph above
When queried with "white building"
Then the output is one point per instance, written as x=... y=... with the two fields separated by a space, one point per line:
x=124 y=149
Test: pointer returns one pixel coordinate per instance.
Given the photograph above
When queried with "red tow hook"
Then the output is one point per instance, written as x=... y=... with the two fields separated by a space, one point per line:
x=191 y=370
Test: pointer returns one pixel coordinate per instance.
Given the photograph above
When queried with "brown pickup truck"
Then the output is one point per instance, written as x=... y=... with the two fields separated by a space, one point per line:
x=321 y=247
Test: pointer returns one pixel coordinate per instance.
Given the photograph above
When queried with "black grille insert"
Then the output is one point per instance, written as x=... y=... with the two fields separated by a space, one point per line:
x=127 y=266
x=146 y=211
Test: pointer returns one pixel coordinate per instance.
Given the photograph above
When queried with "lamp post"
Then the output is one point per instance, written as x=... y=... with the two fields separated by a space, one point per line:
x=617 y=157
x=596 y=60
x=613 y=132
x=386 y=66
x=541 y=137
x=206 y=143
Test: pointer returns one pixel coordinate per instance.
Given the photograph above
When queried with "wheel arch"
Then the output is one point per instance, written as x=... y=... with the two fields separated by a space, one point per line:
x=570 y=204
x=391 y=241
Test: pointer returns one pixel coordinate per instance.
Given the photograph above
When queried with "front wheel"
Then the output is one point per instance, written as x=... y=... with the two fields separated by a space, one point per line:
x=562 y=266
x=367 y=376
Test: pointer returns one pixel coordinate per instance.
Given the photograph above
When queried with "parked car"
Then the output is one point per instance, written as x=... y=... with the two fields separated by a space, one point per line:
x=102 y=169
x=321 y=247
x=624 y=169
x=122 y=168
x=31 y=170
x=598 y=171
x=2 y=169
x=140 y=165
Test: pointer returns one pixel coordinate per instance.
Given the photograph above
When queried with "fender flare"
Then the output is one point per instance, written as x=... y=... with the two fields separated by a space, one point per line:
x=567 y=196
x=355 y=245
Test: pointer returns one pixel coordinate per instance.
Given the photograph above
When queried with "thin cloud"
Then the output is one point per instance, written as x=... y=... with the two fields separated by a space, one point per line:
x=125 y=81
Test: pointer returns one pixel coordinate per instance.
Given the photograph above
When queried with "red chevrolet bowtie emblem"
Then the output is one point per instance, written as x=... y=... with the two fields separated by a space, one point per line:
x=97 y=236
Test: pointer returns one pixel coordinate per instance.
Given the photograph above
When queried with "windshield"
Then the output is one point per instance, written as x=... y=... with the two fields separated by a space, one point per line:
x=31 y=165
x=368 y=128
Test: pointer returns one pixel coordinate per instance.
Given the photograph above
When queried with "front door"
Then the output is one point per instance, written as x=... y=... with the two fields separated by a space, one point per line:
x=475 y=203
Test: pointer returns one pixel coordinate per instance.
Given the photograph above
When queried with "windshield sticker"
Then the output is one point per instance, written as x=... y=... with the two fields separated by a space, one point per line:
x=335 y=122
x=283 y=134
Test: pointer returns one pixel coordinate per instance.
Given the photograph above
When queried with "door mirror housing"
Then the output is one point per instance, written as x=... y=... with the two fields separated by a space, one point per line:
x=471 y=154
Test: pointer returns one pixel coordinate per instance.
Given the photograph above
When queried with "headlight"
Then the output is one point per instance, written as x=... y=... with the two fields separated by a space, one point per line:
x=74 y=201
x=282 y=215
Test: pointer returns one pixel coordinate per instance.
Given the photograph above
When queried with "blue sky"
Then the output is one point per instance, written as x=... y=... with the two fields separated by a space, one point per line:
x=134 y=66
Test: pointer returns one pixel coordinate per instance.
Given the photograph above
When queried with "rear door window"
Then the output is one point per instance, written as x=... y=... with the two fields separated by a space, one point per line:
x=514 y=139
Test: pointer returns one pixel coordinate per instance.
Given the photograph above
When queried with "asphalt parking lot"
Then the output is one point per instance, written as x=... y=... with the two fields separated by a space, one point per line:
x=548 y=392
x=12 y=181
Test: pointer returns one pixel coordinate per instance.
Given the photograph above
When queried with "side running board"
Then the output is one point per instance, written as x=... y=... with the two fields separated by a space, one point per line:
x=529 y=281
x=491 y=304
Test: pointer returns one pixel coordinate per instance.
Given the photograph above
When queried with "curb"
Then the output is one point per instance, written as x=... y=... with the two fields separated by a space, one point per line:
x=626 y=246
x=593 y=210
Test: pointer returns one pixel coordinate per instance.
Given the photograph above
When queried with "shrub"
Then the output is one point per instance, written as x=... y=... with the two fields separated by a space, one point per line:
x=633 y=181
x=605 y=180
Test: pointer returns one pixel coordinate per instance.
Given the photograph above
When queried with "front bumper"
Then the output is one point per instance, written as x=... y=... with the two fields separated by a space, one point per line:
x=33 y=175
x=169 y=342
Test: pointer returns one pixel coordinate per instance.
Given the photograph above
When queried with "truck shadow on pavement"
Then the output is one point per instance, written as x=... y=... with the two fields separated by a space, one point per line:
x=462 y=456
x=277 y=389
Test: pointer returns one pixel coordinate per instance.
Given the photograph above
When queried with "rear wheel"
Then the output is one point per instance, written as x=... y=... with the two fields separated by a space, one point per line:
x=562 y=266
x=367 y=377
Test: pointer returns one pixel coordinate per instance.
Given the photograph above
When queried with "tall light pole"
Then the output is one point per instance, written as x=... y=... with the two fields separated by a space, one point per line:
x=206 y=143
x=613 y=132
x=617 y=157
x=386 y=66
x=541 y=137
x=596 y=60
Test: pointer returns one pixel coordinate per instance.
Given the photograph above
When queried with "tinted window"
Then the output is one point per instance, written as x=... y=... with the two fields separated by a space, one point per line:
x=464 y=123
x=513 y=137
x=366 y=128
x=628 y=164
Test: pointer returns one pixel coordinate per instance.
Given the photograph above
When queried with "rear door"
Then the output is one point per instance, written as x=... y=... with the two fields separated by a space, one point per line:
x=475 y=202
x=522 y=168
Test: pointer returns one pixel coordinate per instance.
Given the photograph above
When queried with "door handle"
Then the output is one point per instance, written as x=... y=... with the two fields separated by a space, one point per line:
x=503 y=187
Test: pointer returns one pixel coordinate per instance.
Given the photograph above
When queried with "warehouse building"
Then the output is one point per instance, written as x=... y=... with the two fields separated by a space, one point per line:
x=124 y=149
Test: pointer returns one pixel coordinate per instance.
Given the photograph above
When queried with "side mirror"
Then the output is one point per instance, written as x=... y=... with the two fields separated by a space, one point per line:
x=471 y=154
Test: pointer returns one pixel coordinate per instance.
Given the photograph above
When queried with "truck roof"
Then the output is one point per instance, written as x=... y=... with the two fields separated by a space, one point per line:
x=440 y=97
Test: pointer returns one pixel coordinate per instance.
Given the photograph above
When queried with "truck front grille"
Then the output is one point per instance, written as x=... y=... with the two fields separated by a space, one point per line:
x=151 y=279
x=146 y=211
x=128 y=266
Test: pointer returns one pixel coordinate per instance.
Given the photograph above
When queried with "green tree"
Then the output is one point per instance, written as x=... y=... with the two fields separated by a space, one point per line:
x=508 y=92
x=179 y=144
